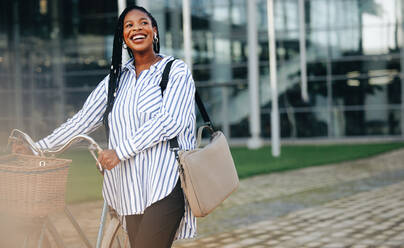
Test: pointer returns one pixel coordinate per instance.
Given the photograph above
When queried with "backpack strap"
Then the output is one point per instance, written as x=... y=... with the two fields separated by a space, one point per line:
x=164 y=77
x=163 y=85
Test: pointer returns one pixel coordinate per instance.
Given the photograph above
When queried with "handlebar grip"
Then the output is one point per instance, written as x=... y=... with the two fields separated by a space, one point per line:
x=24 y=137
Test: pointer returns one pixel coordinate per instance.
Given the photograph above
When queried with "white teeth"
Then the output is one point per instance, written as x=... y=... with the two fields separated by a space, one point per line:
x=139 y=36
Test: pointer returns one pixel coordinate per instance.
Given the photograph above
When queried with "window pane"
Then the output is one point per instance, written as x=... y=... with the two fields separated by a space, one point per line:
x=370 y=121
x=290 y=94
x=374 y=87
x=295 y=123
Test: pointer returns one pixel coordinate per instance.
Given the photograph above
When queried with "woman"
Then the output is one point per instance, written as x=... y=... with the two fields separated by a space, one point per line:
x=141 y=180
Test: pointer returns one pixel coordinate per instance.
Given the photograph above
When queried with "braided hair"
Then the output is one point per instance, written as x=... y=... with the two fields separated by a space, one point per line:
x=116 y=63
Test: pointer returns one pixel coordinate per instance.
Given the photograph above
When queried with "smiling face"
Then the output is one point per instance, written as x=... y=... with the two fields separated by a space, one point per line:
x=138 y=31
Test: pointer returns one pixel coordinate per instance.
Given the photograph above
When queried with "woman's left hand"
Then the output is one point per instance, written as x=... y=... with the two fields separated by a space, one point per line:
x=108 y=159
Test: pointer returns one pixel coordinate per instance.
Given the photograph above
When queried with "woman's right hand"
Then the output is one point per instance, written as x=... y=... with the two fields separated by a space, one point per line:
x=21 y=149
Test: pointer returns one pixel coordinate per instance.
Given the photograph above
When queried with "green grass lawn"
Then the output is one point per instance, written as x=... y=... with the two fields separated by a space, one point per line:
x=254 y=162
x=85 y=182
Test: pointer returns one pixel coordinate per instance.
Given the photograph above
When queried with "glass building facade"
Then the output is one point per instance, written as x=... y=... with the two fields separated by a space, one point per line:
x=53 y=53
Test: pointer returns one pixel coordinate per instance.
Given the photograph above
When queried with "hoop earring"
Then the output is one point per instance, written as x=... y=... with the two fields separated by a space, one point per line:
x=155 y=40
x=124 y=45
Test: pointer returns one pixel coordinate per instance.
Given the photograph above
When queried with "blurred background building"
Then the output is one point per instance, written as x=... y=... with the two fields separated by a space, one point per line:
x=54 y=52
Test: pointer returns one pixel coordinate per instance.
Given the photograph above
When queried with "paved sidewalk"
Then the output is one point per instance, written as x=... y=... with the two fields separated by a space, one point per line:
x=376 y=217
x=286 y=183
x=369 y=219
x=360 y=202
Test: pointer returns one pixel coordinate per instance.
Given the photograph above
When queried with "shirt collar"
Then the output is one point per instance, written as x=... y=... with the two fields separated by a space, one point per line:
x=128 y=65
x=156 y=66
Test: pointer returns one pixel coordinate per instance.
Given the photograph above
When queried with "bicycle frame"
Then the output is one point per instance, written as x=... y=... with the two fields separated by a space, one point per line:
x=93 y=147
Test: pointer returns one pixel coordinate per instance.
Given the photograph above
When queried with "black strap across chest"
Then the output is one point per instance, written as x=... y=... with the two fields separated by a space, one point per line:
x=198 y=100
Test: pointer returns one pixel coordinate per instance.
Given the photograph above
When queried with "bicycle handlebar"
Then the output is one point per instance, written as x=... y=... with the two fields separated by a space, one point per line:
x=34 y=148
x=93 y=147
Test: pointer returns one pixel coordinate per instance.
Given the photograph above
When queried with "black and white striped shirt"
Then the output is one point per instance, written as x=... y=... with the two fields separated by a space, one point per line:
x=141 y=123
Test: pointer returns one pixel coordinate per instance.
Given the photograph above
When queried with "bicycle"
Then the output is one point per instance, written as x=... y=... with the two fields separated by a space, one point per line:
x=110 y=237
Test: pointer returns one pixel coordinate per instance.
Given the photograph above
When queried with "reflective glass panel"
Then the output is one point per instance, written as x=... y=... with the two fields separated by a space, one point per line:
x=369 y=121
x=296 y=123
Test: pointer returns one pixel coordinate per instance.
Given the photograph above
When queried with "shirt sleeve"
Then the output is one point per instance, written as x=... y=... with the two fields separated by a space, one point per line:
x=178 y=106
x=85 y=121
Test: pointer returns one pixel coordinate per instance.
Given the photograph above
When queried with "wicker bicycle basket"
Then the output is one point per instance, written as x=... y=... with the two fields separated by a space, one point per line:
x=32 y=186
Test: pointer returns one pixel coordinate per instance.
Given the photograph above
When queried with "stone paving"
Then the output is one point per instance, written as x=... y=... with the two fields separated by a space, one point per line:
x=369 y=219
x=279 y=185
x=373 y=218
x=286 y=183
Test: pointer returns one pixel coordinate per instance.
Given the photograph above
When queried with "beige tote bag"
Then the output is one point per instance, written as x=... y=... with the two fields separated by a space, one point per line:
x=208 y=175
